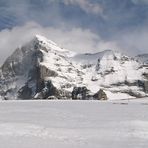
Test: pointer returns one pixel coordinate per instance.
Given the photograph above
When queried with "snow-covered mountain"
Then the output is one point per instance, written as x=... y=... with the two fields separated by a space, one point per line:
x=117 y=74
x=41 y=69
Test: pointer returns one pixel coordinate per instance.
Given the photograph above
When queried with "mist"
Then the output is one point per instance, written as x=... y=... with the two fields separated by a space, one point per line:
x=78 y=25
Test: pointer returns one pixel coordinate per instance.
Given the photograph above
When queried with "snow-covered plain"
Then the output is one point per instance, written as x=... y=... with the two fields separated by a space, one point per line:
x=74 y=124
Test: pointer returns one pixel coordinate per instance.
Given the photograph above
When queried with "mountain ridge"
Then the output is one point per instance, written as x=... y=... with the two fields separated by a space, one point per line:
x=41 y=69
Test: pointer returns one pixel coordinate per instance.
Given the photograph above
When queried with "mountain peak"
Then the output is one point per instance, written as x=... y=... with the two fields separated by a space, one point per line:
x=48 y=44
x=44 y=40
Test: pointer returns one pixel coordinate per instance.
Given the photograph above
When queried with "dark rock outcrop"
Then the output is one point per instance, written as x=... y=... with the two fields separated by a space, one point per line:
x=79 y=93
x=100 y=95
x=146 y=86
x=25 y=93
x=46 y=90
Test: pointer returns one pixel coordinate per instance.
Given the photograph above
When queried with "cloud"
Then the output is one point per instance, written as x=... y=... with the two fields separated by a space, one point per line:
x=140 y=2
x=133 y=41
x=49 y=13
x=76 y=39
x=86 y=5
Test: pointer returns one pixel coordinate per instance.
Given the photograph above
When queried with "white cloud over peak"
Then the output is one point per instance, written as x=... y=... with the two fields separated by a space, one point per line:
x=76 y=39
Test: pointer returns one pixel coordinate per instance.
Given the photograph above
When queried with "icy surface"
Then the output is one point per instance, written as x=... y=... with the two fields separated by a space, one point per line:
x=74 y=124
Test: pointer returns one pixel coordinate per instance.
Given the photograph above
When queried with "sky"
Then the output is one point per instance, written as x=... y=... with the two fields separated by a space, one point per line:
x=78 y=25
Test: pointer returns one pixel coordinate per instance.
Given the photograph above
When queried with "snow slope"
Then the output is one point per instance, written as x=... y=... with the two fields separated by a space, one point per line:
x=75 y=124
x=110 y=71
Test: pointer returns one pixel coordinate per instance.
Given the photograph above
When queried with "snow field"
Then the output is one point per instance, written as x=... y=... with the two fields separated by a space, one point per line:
x=75 y=124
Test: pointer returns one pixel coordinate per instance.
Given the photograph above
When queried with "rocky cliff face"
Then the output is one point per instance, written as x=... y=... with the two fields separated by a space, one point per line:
x=32 y=69
x=143 y=58
x=42 y=70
